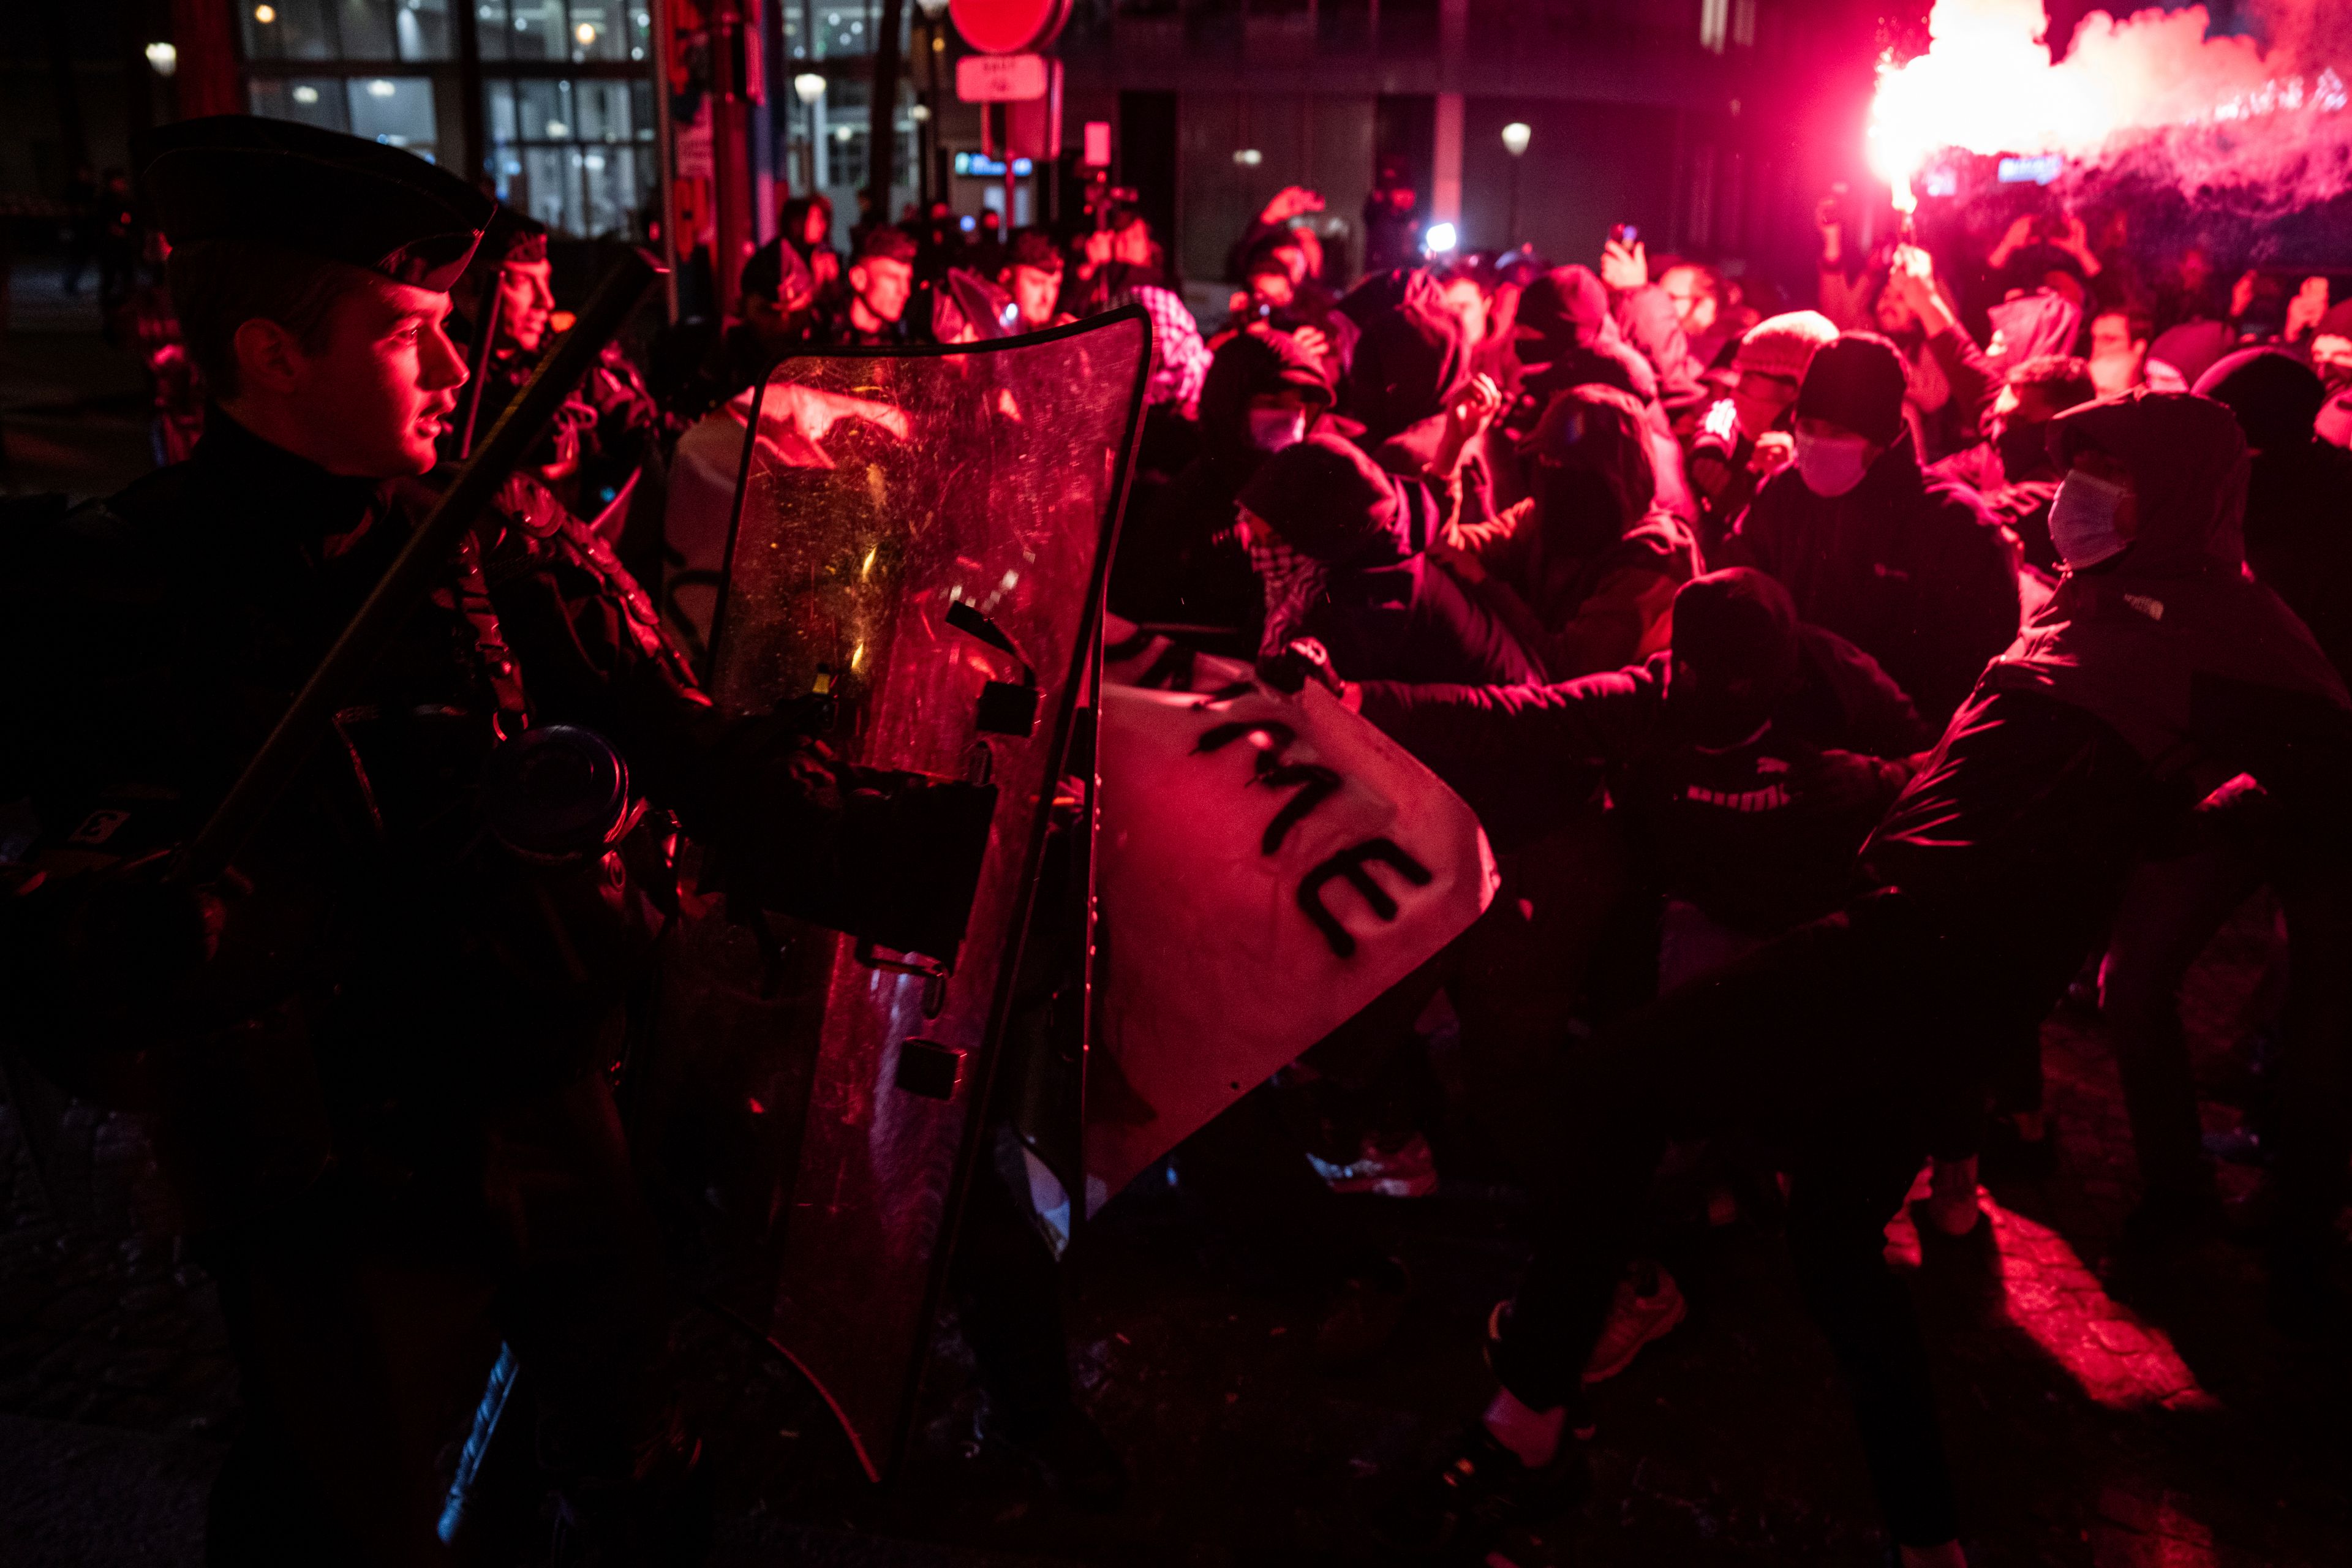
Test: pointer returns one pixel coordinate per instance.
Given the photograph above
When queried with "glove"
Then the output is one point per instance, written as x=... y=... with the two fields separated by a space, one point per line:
x=1301 y=661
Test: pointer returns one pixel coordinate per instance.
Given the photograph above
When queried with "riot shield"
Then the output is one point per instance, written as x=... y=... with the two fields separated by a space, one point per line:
x=921 y=537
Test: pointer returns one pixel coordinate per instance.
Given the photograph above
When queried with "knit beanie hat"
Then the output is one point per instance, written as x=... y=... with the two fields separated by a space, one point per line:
x=1856 y=382
x=1323 y=496
x=1783 y=345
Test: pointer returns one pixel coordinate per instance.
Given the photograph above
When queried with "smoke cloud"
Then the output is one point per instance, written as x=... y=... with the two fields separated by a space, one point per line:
x=2257 y=123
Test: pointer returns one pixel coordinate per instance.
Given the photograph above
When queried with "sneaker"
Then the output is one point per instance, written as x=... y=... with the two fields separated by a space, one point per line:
x=1636 y=1317
x=1481 y=1490
x=1407 y=1171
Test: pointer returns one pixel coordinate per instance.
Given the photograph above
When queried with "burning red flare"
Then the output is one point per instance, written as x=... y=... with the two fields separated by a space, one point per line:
x=1987 y=84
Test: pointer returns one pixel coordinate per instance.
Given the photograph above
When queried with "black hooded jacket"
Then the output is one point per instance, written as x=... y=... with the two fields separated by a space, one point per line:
x=1911 y=569
x=1180 y=562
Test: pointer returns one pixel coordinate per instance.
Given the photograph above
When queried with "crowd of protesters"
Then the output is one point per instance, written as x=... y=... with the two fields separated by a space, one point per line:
x=1841 y=688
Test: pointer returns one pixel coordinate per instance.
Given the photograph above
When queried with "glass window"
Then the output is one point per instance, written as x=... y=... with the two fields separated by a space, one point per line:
x=397 y=110
x=493 y=30
x=288 y=29
x=421 y=29
x=572 y=154
x=599 y=32
x=366 y=29
x=537 y=31
x=603 y=107
x=312 y=100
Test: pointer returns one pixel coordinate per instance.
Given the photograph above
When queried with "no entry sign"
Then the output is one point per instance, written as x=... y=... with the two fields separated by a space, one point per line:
x=1008 y=26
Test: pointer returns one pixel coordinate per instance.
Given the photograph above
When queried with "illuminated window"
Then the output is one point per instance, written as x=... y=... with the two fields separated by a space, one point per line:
x=1743 y=22
x=1713 y=18
x=575 y=153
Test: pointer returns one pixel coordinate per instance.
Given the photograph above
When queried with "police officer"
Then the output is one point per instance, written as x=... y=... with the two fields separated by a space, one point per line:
x=609 y=431
x=379 y=1048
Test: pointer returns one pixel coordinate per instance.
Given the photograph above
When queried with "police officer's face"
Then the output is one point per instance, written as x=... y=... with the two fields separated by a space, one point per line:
x=373 y=399
x=883 y=284
x=525 y=303
x=1034 y=290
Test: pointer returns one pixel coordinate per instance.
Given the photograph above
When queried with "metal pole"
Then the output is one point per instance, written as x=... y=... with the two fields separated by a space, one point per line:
x=882 y=113
x=665 y=158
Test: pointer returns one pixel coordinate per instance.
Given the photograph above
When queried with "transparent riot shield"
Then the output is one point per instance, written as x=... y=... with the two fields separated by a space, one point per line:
x=921 y=536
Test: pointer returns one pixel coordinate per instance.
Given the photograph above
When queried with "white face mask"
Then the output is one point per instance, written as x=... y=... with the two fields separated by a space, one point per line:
x=1272 y=429
x=1831 y=465
x=2083 y=519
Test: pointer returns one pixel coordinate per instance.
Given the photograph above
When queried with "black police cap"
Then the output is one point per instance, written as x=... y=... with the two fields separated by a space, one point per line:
x=317 y=192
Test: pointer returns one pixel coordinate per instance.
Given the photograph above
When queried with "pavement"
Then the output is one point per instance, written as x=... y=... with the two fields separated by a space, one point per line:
x=2102 y=1411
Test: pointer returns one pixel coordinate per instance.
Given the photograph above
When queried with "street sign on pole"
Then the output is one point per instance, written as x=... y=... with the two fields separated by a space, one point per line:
x=1000 y=78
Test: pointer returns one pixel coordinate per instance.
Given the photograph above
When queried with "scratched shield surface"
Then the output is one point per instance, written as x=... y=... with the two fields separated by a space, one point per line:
x=1267 y=866
x=881 y=492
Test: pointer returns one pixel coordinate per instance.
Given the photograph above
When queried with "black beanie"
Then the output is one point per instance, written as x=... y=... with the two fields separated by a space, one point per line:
x=1325 y=497
x=2275 y=397
x=1738 y=622
x=1857 y=381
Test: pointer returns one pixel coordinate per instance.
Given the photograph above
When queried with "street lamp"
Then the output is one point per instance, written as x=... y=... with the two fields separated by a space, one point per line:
x=163 y=58
x=809 y=88
x=1516 y=137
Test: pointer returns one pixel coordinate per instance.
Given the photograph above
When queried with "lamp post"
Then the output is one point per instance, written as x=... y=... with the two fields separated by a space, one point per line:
x=809 y=88
x=933 y=48
x=1516 y=137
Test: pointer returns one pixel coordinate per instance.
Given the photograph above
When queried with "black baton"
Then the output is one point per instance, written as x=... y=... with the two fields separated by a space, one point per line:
x=415 y=570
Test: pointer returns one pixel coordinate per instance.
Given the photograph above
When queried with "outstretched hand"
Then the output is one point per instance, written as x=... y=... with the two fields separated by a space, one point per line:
x=1288 y=203
x=1624 y=266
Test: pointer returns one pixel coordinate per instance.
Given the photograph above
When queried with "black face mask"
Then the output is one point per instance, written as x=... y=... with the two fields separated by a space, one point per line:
x=2023 y=448
x=1582 y=513
x=1711 y=715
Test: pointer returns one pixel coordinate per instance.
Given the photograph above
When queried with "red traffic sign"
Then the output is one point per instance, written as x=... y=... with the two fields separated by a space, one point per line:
x=1008 y=26
x=1000 y=78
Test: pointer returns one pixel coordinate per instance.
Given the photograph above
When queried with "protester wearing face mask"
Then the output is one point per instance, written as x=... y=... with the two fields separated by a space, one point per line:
x=1912 y=570
x=1989 y=878
x=1179 y=558
x=1584 y=571
x=1744 y=440
x=2011 y=468
x=1341 y=546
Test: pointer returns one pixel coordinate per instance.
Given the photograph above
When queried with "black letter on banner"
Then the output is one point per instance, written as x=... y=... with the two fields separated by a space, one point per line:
x=1351 y=864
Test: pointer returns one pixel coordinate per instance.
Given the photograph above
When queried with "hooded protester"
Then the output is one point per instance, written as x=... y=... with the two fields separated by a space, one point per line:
x=1566 y=337
x=1584 y=570
x=1409 y=355
x=1719 y=747
x=1744 y=440
x=1340 y=547
x=1912 y=570
x=2296 y=544
x=2298 y=535
x=1181 y=560
x=2156 y=669
x=2011 y=468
